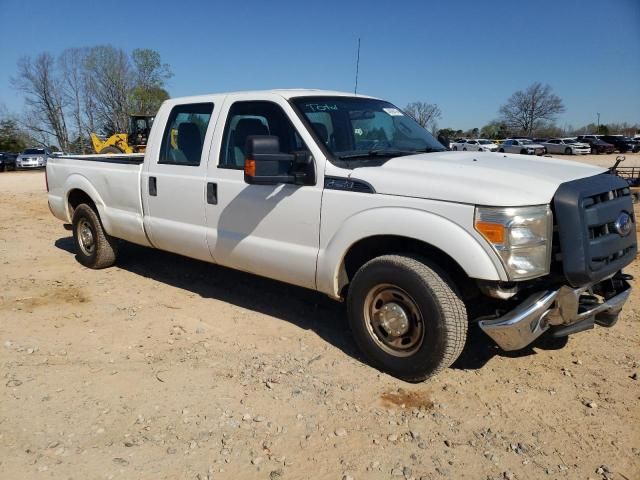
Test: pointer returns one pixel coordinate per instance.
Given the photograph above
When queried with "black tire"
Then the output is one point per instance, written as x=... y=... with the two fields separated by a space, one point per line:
x=110 y=149
x=464 y=149
x=523 y=152
x=95 y=249
x=433 y=329
x=455 y=149
x=501 y=150
x=3 y=168
x=568 y=151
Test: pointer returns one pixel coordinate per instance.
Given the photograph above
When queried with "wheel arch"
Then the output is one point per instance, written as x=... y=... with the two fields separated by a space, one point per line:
x=396 y=231
x=80 y=190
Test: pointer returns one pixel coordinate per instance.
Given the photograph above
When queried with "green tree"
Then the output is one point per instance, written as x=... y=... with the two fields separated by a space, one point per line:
x=150 y=76
x=447 y=132
x=495 y=129
x=11 y=138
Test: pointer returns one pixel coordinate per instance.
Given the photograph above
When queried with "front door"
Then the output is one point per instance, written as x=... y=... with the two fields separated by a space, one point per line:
x=270 y=230
x=173 y=184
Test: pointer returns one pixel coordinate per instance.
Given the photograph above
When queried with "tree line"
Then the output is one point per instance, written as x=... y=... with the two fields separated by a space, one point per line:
x=85 y=90
x=531 y=112
x=96 y=89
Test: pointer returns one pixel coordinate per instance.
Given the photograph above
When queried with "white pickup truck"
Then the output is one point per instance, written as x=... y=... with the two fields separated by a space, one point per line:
x=349 y=196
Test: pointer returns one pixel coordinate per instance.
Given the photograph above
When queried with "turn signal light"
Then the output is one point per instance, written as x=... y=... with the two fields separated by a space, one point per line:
x=493 y=232
x=250 y=167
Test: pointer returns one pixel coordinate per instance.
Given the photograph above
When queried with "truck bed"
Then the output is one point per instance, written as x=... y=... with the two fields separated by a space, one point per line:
x=112 y=180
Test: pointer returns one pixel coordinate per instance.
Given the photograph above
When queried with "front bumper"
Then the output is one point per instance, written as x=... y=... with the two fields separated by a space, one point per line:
x=38 y=164
x=565 y=311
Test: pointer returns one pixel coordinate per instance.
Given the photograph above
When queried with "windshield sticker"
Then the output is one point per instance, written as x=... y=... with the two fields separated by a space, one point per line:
x=321 y=107
x=394 y=112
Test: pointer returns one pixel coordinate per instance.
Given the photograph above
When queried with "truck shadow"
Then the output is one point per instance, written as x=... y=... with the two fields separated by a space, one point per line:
x=304 y=308
x=479 y=349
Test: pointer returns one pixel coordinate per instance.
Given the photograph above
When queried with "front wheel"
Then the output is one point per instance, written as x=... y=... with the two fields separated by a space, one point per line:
x=567 y=151
x=455 y=149
x=95 y=248
x=406 y=317
x=501 y=150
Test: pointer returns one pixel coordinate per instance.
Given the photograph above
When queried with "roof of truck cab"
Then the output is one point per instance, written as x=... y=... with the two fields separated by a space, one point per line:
x=285 y=93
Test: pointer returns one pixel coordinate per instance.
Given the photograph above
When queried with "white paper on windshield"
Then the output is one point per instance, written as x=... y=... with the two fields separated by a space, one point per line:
x=394 y=112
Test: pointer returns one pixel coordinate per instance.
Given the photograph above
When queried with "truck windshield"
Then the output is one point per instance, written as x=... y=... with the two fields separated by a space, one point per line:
x=364 y=128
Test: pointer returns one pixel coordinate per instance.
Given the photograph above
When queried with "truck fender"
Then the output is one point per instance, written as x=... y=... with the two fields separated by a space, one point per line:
x=77 y=181
x=476 y=259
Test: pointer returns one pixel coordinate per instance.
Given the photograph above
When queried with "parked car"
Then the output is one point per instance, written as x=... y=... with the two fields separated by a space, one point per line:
x=620 y=142
x=476 y=145
x=597 y=145
x=524 y=146
x=32 y=158
x=407 y=234
x=568 y=146
x=457 y=144
x=7 y=161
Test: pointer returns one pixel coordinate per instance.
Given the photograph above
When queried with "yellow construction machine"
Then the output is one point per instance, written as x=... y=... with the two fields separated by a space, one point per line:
x=134 y=141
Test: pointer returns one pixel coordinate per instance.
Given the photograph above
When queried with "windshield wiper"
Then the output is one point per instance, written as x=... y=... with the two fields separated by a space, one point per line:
x=387 y=153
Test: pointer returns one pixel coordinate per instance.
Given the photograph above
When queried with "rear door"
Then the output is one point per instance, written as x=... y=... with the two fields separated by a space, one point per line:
x=173 y=182
x=270 y=230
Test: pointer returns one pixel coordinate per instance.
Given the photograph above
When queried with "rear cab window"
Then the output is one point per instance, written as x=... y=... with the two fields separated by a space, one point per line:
x=183 y=137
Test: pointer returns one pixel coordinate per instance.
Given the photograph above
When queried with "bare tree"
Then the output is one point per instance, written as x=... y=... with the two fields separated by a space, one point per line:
x=72 y=63
x=109 y=80
x=527 y=109
x=40 y=82
x=426 y=114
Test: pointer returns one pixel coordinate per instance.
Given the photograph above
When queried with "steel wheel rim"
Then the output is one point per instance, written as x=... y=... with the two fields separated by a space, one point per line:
x=393 y=320
x=86 y=238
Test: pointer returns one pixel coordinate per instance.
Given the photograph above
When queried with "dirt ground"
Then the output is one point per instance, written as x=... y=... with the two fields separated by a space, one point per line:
x=168 y=368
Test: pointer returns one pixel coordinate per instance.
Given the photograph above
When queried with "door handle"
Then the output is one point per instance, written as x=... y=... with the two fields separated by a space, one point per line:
x=153 y=187
x=212 y=193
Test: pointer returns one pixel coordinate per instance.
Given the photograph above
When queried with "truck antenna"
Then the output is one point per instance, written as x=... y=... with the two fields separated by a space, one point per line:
x=355 y=89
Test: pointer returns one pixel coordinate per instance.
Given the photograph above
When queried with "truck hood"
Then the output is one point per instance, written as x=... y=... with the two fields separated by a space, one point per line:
x=478 y=178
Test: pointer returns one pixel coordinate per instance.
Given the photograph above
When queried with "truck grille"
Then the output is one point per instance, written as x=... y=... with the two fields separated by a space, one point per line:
x=591 y=213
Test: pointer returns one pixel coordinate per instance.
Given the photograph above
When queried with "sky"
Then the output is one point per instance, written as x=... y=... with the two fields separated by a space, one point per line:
x=468 y=57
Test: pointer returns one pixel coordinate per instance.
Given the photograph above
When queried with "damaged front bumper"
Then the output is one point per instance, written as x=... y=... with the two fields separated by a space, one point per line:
x=564 y=311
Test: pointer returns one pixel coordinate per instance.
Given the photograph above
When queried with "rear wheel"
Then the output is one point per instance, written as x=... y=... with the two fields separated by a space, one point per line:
x=110 y=149
x=95 y=248
x=406 y=317
x=455 y=148
x=464 y=149
x=501 y=150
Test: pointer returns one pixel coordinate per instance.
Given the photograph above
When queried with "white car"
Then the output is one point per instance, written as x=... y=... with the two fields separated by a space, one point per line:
x=476 y=145
x=32 y=158
x=567 y=146
x=522 y=146
x=279 y=183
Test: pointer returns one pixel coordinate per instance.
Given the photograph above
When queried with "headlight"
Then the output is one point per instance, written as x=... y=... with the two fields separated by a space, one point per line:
x=521 y=236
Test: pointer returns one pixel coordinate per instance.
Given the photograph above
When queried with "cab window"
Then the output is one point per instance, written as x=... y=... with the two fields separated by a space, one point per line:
x=247 y=119
x=184 y=134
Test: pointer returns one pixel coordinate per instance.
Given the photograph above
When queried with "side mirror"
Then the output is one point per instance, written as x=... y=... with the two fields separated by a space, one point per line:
x=265 y=164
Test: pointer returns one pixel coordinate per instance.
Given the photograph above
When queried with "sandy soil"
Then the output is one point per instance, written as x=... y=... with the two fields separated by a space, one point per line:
x=164 y=367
